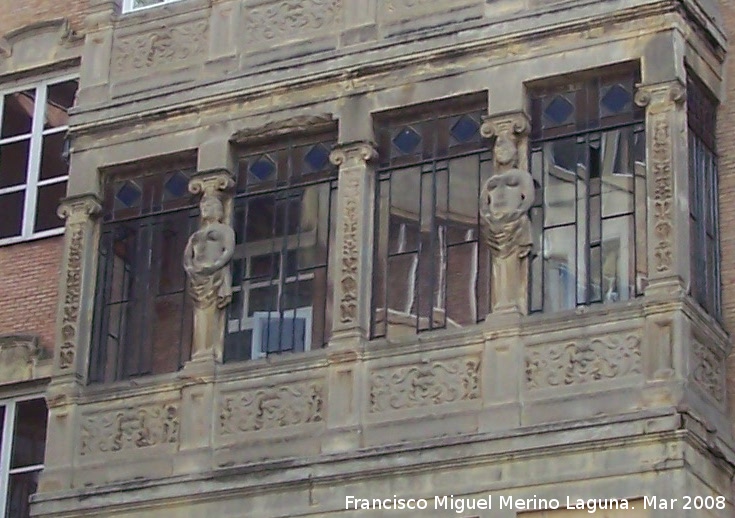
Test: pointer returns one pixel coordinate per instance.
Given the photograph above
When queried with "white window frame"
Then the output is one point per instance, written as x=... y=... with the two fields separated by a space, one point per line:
x=32 y=181
x=129 y=5
x=8 y=439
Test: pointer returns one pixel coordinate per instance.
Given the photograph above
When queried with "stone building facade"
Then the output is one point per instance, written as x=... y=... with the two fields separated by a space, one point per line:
x=318 y=251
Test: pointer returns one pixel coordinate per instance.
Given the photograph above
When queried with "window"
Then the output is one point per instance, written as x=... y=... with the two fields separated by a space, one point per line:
x=430 y=269
x=22 y=450
x=703 y=197
x=589 y=217
x=143 y=317
x=137 y=5
x=285 y=202
x=33 y=168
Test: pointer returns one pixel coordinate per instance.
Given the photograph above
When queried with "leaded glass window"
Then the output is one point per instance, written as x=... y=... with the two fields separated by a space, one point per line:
x=143 y=317
x=430 y=269
x=283 y=211
x=589 y=218
x=703 y=197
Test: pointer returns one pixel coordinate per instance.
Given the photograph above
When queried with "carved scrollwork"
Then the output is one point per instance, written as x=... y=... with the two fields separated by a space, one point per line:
x=662 y=192
x=709 y=371
x=578 y=362
x=434 y=383
x=129 y=428
x=169 y=47
x=350 y=157
x=289 y=19
x=77 y=211
x=269 y=408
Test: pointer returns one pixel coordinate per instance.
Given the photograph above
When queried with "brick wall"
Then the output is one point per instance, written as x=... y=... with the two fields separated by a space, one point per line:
x=17 y=14
x=726 y=150
x=29 y=282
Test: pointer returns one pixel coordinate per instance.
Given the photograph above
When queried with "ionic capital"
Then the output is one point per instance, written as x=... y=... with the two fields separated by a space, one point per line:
x=80 y=208
x=513 y=124
x=353 y=154
x=214 y=182
x=661 y=95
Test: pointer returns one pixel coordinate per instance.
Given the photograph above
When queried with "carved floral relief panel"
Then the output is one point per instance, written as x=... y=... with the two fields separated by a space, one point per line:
x=708 y=370
x=129 y=428
x=268 y=23
x=431 y=383
x=167 y=48
x=268 y=408
x=583 y=360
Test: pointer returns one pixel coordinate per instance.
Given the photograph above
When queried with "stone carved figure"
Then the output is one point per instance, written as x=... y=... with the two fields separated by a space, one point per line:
x=505 y=200
x=207 y=255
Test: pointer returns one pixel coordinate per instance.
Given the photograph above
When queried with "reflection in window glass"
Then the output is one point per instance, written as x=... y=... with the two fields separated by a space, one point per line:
x=431 y=267
x=589 y=218
x=283 y=226
x=33 y=165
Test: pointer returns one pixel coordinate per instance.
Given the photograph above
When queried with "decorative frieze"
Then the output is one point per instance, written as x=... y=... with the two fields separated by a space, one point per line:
x=583 y=361
x=353 y=160
x=270 y=408
x=129 y=429
x=427 y=384
x=708 y=370
x=288 y=19
x=169 y=47
x=78 y=211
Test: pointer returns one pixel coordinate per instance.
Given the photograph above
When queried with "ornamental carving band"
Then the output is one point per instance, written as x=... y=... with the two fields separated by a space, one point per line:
x=168 y=48
x=662 y=192
x=275 y=407
x=72 y=297
x=434 y=383
x=579 y=362
x=709 y=371
x=129 y=428
x=286 y=20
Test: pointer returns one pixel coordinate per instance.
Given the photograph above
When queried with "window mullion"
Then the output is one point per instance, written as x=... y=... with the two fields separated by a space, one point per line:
x=5 y=454
x=34 y=162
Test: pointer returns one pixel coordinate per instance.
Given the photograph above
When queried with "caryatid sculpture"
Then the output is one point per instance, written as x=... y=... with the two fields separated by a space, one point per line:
x=505 y=199
x=206 y=261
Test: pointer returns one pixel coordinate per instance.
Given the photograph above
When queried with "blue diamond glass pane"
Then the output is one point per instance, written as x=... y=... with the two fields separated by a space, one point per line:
x=129 y=194
x=559 y=110
x=464 y=129
x=317 y=157
x=177 y=185
x=407 y=140
x=262 y=168
x=616 y=99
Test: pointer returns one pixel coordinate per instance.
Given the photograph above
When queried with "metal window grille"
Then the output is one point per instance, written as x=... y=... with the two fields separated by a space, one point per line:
x=283 y=211
x=703 y=197
x=143 y=317
x=430 y=269
x=589 y=217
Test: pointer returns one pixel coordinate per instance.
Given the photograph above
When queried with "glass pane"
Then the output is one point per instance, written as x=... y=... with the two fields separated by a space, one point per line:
x=11 y=224
x=560 y=172
x=46 y=205
x=617 y=173
x=559 y=268
x=29 y=440
x=461 y=290
x=59 y=98
x=14 y=163
x=52 y=160
x=617 y=259
x=21 y=487
x=18 y=113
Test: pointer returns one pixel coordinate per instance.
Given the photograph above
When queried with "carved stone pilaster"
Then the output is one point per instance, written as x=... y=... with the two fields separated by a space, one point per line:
x=666 y=152
x=354 y=234
x=207 y=262
x=505 y=199
x=77 y=283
